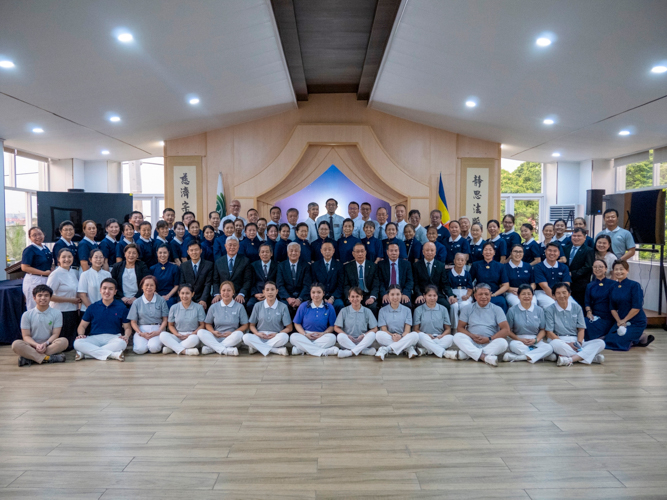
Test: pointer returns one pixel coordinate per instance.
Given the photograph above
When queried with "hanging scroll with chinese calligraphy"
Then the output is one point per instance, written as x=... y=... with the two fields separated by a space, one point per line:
x=183 y=185
x=185 y=190
x=477 y=195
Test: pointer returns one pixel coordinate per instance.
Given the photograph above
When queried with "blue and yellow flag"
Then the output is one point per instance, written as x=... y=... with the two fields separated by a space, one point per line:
x=441 y=203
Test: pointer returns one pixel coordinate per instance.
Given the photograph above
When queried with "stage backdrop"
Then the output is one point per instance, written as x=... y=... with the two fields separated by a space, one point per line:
x=331 y=184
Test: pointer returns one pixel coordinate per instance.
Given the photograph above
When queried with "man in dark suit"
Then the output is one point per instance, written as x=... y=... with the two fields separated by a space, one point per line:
x=263 y=270
x=293 y=279
x=437 y=277
x=395 y=271
x=362 y=273
x=235 y=268
x=329 y=272
x=198 y=273
x=580 y=258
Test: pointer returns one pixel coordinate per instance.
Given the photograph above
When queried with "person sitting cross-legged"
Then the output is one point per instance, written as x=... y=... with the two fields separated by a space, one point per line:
x=40 y=329
x=356 y=326
x=431 y=321
x=226 y=322
x=270 y=324
x=185 y=319
x=314 y=325
x=395 y=322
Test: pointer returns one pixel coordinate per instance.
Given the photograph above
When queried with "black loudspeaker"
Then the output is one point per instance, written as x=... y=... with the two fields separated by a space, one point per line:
x=594 y=201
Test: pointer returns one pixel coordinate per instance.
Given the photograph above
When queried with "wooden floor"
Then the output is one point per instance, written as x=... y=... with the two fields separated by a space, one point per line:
x=212 y=427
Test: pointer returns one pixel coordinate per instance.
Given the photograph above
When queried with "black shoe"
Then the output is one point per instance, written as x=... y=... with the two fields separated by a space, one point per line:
x=57 y=358
x=649 y=339
x=24 y=362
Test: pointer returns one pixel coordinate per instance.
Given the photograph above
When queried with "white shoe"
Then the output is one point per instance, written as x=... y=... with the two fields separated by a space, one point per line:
x=598 y=359
x=509 y=357
x=368 y=352
x=331 y=351
x=206 y=350
x=280 y=351
x=422 y=352
x=117 y=355
x=232 y=351
x=491 y=360
x=251 y=350
x=344 y=353
x=463 y=356
x=564 y=361
x=551 y=357
x=296 y=351
x=167 y=350
x=411 y=353
x=79 y=356
x=382 y=352
x=451 y=354
x=191 y=352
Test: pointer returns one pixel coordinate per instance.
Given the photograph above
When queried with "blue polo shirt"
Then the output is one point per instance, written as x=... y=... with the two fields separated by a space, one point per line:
x=551 y=275
x=315 y=319
x=519 y=275
x=85 y=247
x=105 y=319
x=39 y=258
x=531 y=251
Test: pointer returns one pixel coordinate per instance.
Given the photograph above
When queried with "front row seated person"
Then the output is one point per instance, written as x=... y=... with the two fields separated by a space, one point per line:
x=329 y=272
x=148 y=317
x=40 y=329
x=395 y=322
x=395 y=271
x=626 y=301
x=482 y=329
x=270 y=324
x=226 y=322
x=356 y=326
x=362 y=273
x=293 y=279
x=565 y=328
x=431 y=322
x=107 y=319
x=314 y=325
x=526 y=322
x=186 y=318
x=263 y=270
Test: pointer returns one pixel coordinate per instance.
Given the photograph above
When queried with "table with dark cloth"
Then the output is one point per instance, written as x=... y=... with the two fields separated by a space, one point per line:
x=12 y=307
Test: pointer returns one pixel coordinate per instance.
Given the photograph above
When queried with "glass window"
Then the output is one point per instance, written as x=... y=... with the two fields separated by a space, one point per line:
x=663 y=173
x=526 y=211
x=15 y=224
x=638 y=175
x=9 y=160
x=523 y=178
x=152 y=175
x=27 y=173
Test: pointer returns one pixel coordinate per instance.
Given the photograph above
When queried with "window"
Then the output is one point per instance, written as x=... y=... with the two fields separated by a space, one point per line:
x=27 y=173
x=639 y=175
x=148 y=179
x=521 y=187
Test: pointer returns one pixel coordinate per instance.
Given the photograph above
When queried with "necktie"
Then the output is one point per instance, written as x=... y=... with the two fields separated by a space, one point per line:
x=327 y=264
x=231 y=266
x=266 y=271
x=429 y=267
x=331 y=231
x=294 y=272
x=194 y=269
x=393 y=273
x=380 y=234
x=573 y=253
x=361 y=278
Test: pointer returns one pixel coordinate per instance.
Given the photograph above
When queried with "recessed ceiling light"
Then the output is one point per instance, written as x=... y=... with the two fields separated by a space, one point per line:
x=502 y=146
x=555 y=154
x=543 y=42
x=161 y=143
x=471 y=104
x=105 y=151
x=125 y=37
x=38 y=130
x=548 y=121
x=624 y=132
x=114 y=119
x=658 y=69
x=6 y=64
x=194 y=100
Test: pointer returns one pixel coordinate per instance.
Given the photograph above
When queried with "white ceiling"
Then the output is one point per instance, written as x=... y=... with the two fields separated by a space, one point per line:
x=443 y=52
x=69 y=63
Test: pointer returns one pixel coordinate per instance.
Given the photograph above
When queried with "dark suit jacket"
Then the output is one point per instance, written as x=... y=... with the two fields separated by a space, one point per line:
x=581 y=267
x=241 y=275
x=296 y=289
x=202 y=284
x=332 y=281
x=438 y=278
x=258 y=276
x=405 y=280
x=371 y=278
x=140 y=269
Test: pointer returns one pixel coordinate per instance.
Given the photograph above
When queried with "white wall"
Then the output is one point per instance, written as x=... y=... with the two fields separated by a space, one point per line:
x=102 y=176
x=568 y=183
x=61 y=175
x=550 y=184
x=78 y=174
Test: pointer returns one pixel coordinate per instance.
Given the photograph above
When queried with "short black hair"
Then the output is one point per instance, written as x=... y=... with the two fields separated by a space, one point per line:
x=109 y=280
x=610 y=210
x=561 y=284
x=42 y=289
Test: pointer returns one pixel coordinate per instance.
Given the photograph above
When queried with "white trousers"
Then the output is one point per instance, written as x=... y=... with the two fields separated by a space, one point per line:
x=222 y=343
x=313 y=347
x=542 y=349
x=454 y=309
x=177 y=345
x=365 y=343
x=435 y=346
x=265 y=346
x=589 y=350
x=141 y=346
x=30 y=281
x=100 y=346
x=513 y=300
x=475 y=350
x=409 y=340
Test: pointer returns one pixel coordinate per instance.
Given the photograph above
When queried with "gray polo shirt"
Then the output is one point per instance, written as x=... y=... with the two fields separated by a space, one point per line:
x=148 y=313
x=355 y=323
x=394 y=319
x=186 y=320
x=526 y=322
x=564 y=322
x=270 y=319
x=431 y=321
x=484 y=321
x=227 y=318
x=621 y=240
x=41 y=324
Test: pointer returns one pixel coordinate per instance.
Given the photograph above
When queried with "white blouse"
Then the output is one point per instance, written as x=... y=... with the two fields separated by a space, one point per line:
x=64 y=284
x=89 y=283
x=130 y=286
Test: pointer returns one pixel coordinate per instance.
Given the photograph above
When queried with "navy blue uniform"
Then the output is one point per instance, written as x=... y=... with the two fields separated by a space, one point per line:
x=512 y=238
x=168 y=275
x=85 y=247
x=626 y=295
x=501 y=249
x=106 y=319
x=531 y=251
x=250 y=248
x=597 y=298
x=520 y=275
x=402 y=252
x=476 y=252
x=373 y=248
x=461 y=245
x=207 y=250
x=108 y=247
x=493 y=274
x=551 y=275
x=280 y=254
x=60 y=244
x=440 y=252
x=146 y=253
x=459 y=282
x=345 y=245
x=316 y=247
x=39 y=258
x=414 y=249
x=120 y=248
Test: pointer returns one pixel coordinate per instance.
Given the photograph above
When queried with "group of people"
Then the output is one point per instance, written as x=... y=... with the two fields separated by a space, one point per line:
x=352 y=281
